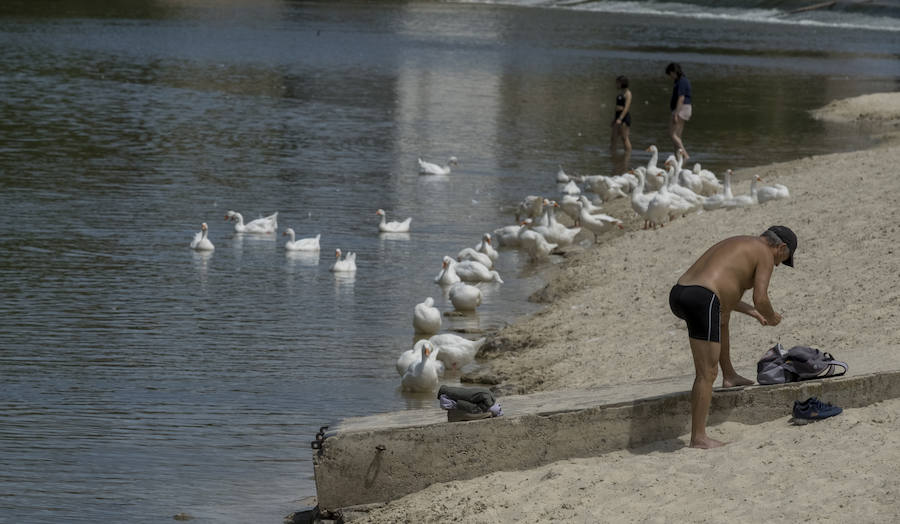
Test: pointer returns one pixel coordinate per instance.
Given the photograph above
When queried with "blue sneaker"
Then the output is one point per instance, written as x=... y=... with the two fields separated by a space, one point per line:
x=814 y=409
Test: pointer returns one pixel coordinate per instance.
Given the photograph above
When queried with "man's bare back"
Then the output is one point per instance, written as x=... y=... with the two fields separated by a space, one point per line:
x=733 y=266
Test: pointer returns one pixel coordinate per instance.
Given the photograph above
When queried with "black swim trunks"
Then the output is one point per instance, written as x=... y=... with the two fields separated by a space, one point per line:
x=699 y=307
x=627 y=119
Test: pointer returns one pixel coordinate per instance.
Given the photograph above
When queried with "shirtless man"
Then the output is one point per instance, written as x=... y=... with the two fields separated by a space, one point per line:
x=705 y=296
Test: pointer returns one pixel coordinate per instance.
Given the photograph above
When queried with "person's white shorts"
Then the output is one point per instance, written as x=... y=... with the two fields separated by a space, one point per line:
x=685 y=113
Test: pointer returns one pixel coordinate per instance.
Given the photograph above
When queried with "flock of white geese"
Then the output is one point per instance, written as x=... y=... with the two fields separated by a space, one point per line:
x=658 y=195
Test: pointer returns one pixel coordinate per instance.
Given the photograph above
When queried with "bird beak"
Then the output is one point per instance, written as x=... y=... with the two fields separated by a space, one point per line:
x=620 y=226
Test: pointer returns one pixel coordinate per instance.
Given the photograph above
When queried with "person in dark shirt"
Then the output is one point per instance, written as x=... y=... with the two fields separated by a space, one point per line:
x=680 y=105
x=622 y=121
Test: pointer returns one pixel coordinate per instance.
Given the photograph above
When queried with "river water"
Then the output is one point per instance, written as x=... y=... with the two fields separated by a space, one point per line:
x=141 y=379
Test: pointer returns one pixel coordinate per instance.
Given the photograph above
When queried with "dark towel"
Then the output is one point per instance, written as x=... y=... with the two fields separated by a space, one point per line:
x=470 y=400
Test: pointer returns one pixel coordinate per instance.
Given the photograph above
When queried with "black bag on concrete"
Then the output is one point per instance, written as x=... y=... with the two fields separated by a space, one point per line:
x=778 y=366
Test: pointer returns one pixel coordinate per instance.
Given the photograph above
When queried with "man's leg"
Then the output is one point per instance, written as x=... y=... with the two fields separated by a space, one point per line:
x=706 y=366
x=730 y=377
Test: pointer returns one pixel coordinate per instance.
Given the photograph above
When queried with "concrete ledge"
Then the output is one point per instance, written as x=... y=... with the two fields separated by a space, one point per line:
x=362 y=464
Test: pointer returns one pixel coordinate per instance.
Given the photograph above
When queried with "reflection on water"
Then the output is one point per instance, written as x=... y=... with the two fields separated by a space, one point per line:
x=302 y=258
x=388 y=236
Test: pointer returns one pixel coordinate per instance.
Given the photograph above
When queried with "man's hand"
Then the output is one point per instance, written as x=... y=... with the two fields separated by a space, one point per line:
x=758 y=316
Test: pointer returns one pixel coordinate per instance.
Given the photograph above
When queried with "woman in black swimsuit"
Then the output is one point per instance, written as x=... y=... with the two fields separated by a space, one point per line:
x=622 y=121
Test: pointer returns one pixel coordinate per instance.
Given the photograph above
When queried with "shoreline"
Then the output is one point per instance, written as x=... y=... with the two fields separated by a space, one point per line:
x=838 y=298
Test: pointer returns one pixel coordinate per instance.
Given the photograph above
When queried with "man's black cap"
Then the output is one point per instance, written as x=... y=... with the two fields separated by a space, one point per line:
x=788 y=237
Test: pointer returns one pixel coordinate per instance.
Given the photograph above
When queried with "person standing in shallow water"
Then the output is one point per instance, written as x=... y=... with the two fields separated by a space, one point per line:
x=704 y=298
x=680 y=105
x=621 y=124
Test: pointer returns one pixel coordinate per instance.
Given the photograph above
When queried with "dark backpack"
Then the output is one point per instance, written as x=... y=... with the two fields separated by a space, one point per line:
x=778 y=366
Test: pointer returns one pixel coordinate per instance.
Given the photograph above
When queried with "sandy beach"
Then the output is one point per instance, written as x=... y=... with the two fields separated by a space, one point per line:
x=607 y=322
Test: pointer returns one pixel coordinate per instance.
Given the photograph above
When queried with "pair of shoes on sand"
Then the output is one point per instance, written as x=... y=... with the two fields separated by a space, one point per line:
x=813 y=409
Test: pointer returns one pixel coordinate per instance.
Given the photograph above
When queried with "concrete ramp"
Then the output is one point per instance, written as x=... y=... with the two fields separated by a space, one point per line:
x=383 y=457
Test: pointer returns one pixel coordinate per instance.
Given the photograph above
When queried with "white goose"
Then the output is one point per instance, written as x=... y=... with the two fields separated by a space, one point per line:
x=556 y=232
x=472 y=271
x=426 y=317
x=507 y=236
x=534 y=243
x=414 y=355
x=201 y=242
x=530 y=207
x=455 y=351
x=347 y=265
x=651 y=180
x=598 y=223
x=422 y=375
x=260 y=225
x=464 y=297
x=742 y=200
x=428 y=168
x=563 y=178
x=716 y=201
x=448 y=275
x=304 y=244
x=711 y=184
x=472 y=254
x=773 y=192
x=571 y=188
x=687 y=201
x=640 y=201
x=486 y=247
x=392 y=226
x=661 y=205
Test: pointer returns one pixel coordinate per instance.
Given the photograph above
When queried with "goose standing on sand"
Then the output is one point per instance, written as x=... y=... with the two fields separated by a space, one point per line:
x=486 y=246
x=556 y=232
x=426 y=317
x=455 y=351
x=773 y=192
x=640 y=201
x=201 y=242
x=533 y=242
x=347 y=265
x=304 y=244
x=652 y=170
x=392 y=227
x=464 y=297
x=716 y=201
x=260 y=225
x=415 y=355
x=742 y=200
x=428 y=168
x=447 y=276
x=711 y=184
x=598 y=223
x=661 y=205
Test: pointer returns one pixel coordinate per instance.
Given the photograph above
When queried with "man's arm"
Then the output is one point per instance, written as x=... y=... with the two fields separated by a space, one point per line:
x=764 y=267
x=747 y=309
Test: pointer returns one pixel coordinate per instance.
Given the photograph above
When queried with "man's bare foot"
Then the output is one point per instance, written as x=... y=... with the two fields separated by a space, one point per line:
x=736 y=380
x=706 y=443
